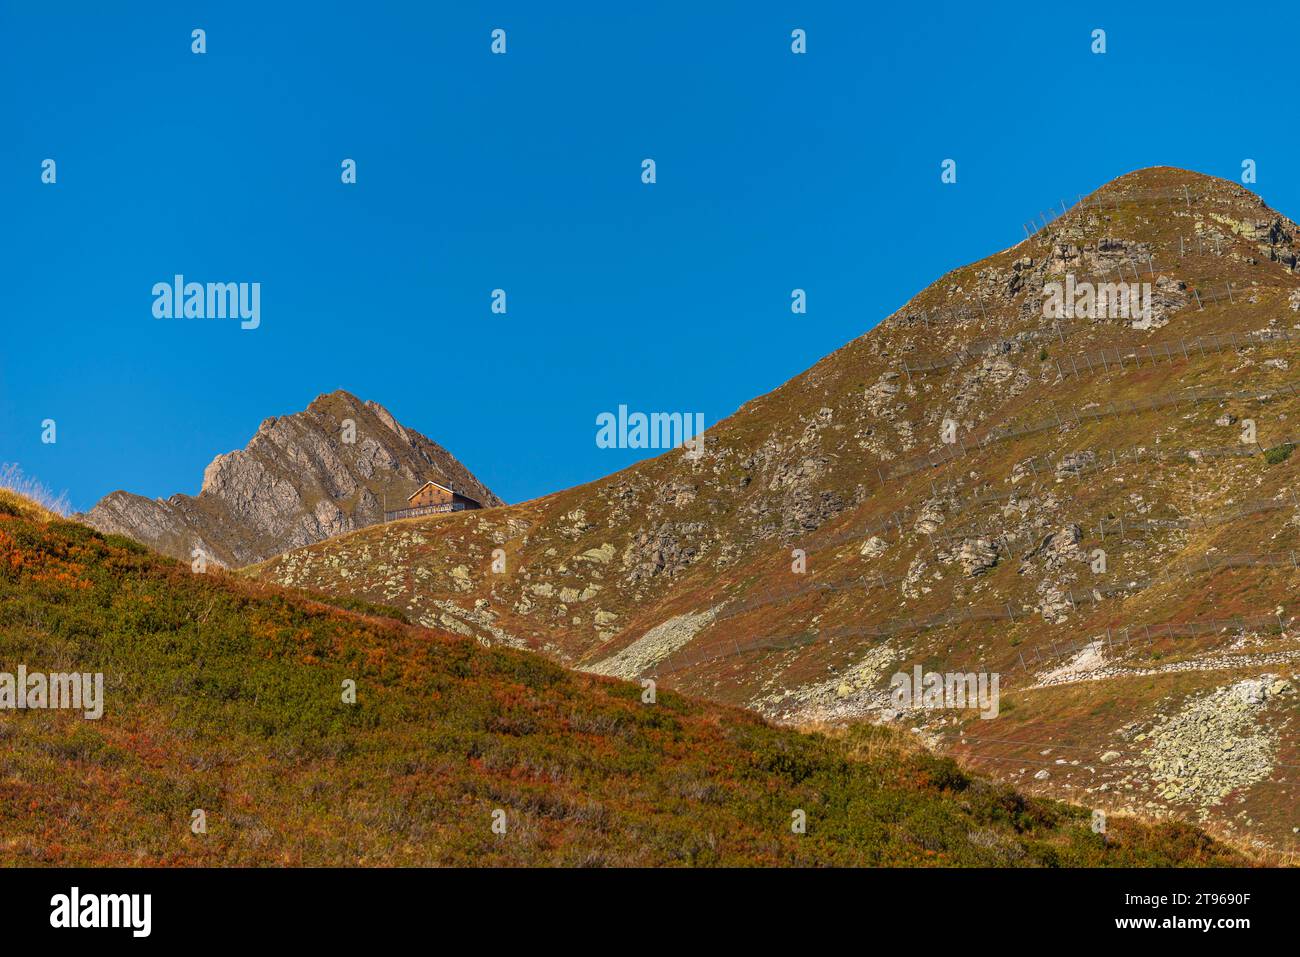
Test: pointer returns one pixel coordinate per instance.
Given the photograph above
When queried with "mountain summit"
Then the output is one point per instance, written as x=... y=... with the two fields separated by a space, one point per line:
x=1069 y=464
x=301 y=479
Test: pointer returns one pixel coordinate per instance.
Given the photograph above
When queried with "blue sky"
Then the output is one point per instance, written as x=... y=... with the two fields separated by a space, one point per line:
x=523 y=172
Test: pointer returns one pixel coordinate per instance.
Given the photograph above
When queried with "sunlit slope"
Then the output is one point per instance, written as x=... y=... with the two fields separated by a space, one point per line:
x=937 y=492
x=225 y=698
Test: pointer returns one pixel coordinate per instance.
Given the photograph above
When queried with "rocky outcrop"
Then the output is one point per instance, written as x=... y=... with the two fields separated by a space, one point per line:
x=977 y=556
x=967 y=477
x=664 y=549
x=301 y=479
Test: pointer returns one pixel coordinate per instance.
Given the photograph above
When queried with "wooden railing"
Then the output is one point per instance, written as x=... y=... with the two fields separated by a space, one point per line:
x=424 y=510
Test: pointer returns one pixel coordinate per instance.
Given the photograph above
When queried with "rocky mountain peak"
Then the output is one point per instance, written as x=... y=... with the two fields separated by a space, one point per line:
x=1099 y=506
x=302 y=478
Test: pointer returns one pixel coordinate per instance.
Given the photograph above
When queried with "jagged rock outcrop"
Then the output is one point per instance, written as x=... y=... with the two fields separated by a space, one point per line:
x=302 y=478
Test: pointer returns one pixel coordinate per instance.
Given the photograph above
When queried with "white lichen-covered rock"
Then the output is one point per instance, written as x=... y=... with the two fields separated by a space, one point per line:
x=1215 y=744
x=874 y=547
x=977 y=556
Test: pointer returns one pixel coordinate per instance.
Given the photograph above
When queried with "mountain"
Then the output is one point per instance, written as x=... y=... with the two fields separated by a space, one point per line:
x=301 y=479
x=1101 y=509
x=225 y=737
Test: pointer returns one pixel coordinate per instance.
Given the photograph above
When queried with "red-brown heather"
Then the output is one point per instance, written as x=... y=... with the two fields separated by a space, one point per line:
x=1069 y=436
x=223 y=695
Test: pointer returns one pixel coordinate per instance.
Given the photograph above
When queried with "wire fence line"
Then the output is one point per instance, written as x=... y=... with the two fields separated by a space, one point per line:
x=1041 y=230
x=976 y=348
x=894 y=520
x=1093 y=412
x=1105 y=358
x=1208 y=563
x=1243 y=510
x=1102 y=271
x=1113 y=637
x=1062 y=329
x=1121 y=637
x=1149 y=634
x=1121 y=526
x=1095 y=201
x=1100 y=411
x=1169 y=193
x=1006 y=433
x=1125 y=526
x=1059 y=467
x=1204 y=563
x=772 y=596
x=1204 y=289
x=1077 y=416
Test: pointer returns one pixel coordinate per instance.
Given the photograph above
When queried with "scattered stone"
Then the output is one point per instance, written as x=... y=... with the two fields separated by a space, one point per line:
x=1214 y=746
x=874 y=547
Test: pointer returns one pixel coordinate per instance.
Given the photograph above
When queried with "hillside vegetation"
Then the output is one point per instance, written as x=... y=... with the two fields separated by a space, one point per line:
x=224 y=696
x=936 y=493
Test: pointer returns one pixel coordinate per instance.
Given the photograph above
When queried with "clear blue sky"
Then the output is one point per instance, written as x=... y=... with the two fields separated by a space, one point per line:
x=522 y=171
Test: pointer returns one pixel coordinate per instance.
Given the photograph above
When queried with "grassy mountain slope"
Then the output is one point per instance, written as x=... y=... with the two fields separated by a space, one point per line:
x=224 y=695
x=1115 y=434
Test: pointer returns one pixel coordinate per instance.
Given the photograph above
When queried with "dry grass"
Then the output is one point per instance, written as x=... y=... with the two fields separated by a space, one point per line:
x=29 y=496
x=224 y=694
